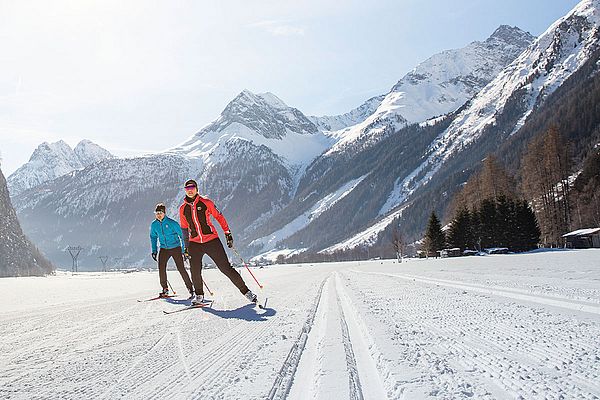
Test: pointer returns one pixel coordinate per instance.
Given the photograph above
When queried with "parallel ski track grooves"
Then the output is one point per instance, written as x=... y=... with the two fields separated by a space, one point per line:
x=164 y=339
x=489 y=356
x=353 y=378
x=504 y=292
x=283 y=383
x=212 y=362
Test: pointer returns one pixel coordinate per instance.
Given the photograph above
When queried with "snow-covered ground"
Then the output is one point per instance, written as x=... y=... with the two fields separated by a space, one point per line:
x=496 y=327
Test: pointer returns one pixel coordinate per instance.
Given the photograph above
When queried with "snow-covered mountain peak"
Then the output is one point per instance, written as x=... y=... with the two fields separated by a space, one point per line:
x=262 y=120
x=52 y=160
x=437 y=86
x=510 y=34
x=264 y=113
x=542 y=68
x=89 y=153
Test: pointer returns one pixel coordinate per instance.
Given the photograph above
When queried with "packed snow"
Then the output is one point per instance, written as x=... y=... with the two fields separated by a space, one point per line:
x=495 y=327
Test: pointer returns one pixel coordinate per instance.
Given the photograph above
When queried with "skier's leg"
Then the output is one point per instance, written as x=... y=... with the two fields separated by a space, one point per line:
x=196 y=253
x=214 y=249
x=178 y=258
x=163 y=257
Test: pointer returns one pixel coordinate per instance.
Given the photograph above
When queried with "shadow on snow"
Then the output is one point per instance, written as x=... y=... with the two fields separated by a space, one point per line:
x=249 y=312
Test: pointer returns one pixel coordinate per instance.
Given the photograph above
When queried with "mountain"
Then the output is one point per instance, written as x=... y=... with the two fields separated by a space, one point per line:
x=52 y=160
x=18 y=257
x=286 y=183
x=353 y=117
x=559 y=68
x=437 y=86
x=248 y=161
x=415 y=169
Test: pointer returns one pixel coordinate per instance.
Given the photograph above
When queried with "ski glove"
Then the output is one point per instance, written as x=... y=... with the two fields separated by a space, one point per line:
x=154 y=256
x=229 y=239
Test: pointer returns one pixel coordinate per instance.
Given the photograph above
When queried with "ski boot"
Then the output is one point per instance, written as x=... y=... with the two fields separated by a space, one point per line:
x=251 y=296
x=197 y=299
x=164 y=293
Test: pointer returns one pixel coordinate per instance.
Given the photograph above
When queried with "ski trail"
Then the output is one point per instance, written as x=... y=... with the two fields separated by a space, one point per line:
x=163 y=341
x=211 y=366
x=182 y=357
x=365 y=354
x=471 y=345
x=504 y=292
x=353 y=378
x=283 y=381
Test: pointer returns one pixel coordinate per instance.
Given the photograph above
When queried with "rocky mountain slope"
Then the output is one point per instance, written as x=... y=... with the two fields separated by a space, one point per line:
x=18 y=257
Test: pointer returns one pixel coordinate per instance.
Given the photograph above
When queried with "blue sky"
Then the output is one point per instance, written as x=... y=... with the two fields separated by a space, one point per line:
x=139 y=76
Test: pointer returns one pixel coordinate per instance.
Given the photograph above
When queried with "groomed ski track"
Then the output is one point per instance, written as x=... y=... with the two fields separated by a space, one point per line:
x=498 y=327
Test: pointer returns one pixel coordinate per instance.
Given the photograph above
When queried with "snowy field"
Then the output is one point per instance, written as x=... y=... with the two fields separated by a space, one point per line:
x=496 y=327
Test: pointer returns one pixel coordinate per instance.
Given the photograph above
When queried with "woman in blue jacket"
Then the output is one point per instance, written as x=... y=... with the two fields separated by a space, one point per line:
x=168 y=233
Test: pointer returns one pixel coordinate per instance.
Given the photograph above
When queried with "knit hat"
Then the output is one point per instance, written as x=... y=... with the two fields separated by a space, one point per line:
x=190 y=182
x=160 y=207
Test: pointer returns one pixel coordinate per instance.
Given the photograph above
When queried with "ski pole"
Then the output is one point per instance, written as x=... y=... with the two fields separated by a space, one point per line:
x=203 y=281
x=172 y=290
x=206 y=286
x=245 y=265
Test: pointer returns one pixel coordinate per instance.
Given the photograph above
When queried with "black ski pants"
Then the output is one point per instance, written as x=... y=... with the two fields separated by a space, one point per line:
x=214 y=249
x=163 y=257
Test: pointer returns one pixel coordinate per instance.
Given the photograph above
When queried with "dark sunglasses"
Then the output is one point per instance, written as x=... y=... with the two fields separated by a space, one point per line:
x=159 y=212
x=189 y=187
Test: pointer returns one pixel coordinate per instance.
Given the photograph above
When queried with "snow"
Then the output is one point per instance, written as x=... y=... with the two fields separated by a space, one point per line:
x=269 y=242
x=504 y=326
x=540 y=70
x=587 y=231
x=367 y=236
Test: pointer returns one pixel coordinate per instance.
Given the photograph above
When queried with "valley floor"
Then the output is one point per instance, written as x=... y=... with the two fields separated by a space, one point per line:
x=497 y=327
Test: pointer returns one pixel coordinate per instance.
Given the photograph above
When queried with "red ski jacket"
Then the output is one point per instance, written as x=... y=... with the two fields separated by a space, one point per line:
x=194 y=217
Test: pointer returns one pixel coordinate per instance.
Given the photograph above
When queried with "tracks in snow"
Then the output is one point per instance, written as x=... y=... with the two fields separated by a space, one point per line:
x=330 y=356
x=513 y=293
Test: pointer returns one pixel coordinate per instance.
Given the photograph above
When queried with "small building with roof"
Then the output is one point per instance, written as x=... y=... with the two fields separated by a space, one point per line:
x=583 y=238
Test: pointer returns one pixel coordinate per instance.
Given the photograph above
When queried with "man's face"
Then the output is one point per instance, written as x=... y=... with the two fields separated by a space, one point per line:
x=191 y=191
x=159 y=215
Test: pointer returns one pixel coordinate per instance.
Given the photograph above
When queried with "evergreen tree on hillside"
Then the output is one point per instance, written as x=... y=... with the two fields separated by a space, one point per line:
x=435 y=239
x=487 y=224
x=526 y=229
x=461 y=233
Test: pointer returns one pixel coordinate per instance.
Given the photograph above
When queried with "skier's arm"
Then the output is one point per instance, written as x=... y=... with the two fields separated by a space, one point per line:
x=153 y=239
x=218 y=216
x=184 y=229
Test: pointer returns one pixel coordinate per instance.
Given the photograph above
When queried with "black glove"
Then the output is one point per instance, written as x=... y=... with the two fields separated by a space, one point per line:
x=186 y=255
x=154 y=256
x=229 y=239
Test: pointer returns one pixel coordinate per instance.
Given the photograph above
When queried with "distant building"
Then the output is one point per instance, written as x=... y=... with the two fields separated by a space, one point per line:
x=454 y=252
x=583 y=238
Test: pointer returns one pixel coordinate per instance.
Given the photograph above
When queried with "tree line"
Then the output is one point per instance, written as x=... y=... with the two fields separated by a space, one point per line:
x=543 y=201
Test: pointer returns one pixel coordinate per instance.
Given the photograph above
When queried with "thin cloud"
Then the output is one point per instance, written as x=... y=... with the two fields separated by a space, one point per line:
x=279 y=28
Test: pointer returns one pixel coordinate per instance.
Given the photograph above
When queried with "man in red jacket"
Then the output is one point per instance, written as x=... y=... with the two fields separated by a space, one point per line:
x=201 y=238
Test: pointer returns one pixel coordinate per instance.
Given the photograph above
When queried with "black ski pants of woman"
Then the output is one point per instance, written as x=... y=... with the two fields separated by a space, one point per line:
x=214 y=249
x=163 y=258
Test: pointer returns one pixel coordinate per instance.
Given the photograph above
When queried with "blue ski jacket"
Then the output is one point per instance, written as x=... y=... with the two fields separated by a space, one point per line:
x=168 y=233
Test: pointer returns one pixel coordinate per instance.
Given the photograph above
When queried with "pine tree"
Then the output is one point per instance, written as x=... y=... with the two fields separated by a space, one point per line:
x=461 y=233
x=487 y=224
x=527 y=229
x=435 y=239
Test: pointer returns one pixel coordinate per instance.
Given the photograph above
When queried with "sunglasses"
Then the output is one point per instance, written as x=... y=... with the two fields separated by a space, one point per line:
x=159 y=212
x=189 y=187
